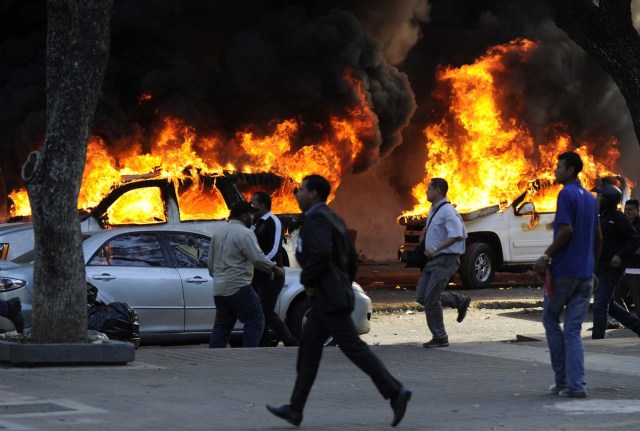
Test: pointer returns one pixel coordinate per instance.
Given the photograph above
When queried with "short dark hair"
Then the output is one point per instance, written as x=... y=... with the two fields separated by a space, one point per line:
x=241 y=207
x=263 y=198
x=572 y=160
x=633 y=203
x=319 y=184
x=440 y=184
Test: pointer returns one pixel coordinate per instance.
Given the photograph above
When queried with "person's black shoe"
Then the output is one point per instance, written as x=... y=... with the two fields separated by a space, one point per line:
x=285 y=412
x=435 y=343
x=462 y=311
x=399 y=405
x=15 y=314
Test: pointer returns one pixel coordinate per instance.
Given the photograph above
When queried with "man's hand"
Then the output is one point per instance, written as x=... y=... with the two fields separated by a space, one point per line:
x=541 y=264
x=278 y=271
x=616 y=262
x=430 y=251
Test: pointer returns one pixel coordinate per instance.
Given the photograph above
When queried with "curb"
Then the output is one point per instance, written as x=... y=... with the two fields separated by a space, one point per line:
x=503 y=304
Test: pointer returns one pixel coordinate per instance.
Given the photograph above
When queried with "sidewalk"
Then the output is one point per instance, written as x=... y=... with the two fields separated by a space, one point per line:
x=475 y=386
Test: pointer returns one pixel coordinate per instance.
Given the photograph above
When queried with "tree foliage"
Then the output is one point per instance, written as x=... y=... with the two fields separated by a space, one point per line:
x=604 y=29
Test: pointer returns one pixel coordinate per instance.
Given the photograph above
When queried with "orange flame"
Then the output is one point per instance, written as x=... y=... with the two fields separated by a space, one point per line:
x=178 y=153
x=489 y=158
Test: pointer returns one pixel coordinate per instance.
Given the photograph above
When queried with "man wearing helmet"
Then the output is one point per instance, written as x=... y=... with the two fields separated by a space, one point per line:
x=620 y=241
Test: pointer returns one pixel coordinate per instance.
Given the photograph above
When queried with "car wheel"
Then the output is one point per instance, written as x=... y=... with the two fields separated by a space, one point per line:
x=477 y=266
x=297 y=317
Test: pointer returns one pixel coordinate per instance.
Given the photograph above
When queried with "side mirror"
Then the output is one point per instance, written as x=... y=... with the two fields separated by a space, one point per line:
x=526 y=208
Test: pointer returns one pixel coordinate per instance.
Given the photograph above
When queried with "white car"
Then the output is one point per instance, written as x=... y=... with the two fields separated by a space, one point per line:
x=163 y=275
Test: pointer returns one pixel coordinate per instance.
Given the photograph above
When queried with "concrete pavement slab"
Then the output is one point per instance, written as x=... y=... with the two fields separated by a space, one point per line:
x=474 y=386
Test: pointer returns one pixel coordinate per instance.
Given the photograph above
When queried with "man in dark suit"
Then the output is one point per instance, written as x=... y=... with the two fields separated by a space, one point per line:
x=268 y=230
x=329 y=264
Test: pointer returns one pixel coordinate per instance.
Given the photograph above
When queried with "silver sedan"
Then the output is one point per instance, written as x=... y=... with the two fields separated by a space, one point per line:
x=162 y=274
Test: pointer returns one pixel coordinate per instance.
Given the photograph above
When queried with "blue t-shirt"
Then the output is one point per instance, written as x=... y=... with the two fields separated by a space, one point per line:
x=578 y=208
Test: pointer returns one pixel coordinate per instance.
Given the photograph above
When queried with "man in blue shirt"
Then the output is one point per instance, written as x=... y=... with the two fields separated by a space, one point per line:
x=444 y=243
x=571 y=259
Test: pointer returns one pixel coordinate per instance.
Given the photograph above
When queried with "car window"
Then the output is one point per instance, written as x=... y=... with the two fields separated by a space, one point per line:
x=200 y=200
x=138 y=206
x=190 y=250
x=134 y=249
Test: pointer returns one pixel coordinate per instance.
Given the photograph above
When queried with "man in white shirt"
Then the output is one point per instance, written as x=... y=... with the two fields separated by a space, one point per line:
x=444 y=244
x=233 y=254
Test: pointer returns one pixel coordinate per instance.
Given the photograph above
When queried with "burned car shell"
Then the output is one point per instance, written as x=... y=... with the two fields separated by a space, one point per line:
x=17 y=237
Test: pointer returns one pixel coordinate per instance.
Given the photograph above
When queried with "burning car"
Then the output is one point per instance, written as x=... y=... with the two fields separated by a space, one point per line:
x=198 y=202
x=507 y=239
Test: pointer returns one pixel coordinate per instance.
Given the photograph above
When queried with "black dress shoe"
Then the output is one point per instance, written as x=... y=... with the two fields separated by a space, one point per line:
x=285 y=412
x=462 y=311
x=435 y=342
x=399 y=405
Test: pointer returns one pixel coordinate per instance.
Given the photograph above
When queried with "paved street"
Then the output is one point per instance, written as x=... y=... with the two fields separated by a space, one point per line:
x=491 y=385
x=469 y=386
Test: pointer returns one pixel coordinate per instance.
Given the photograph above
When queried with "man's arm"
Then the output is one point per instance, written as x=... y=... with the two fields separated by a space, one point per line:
x=317 y=244
x=252 y=251
x=597 y=245
x=565 y=231
x=273 y=231
x=455 y=233
x=633 y=241
x=444 y=244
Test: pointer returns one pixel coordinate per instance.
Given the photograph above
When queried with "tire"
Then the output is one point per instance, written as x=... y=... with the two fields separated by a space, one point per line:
x=478 y=266
x=297 y=316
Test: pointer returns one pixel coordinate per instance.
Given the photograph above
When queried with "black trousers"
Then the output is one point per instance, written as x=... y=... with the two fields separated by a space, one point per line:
x=318 y=327
x=268 y=291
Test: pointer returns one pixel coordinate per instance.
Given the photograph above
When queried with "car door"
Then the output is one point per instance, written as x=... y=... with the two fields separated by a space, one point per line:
x=133 y=268
x=530 y=234
x=190 y=252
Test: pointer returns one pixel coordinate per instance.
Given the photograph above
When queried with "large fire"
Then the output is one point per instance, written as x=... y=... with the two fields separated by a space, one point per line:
x=489 y=157
x=180 y=154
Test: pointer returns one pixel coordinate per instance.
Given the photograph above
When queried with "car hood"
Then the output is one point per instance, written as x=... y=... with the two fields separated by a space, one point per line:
x=14 y=227
x=5 y=265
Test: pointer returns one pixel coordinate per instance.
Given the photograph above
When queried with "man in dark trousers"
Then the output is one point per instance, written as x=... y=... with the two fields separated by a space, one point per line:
x=630 y=283
x=329 y=264
x=268 y=230
x=233 y=253
x=620 y=242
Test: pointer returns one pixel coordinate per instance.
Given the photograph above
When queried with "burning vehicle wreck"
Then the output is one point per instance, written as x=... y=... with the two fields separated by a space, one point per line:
x=505 y=238
x=199 y=202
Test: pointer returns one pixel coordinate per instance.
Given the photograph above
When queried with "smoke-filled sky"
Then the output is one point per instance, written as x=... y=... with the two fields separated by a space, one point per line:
x=222 y=66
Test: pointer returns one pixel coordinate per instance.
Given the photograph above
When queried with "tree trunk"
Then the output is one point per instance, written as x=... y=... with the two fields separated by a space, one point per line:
x=78 y=38
x=4 y=197
x=606 y=32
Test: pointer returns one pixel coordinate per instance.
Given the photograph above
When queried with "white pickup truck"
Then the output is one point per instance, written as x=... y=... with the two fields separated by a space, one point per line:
x=509 y=240
x=16 y=237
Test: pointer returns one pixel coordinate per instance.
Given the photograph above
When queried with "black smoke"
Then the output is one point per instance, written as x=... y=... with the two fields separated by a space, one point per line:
x=559 y=83
x=224 y=66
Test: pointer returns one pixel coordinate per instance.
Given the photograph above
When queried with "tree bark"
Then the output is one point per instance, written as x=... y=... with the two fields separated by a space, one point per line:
x=78 y=40
x=606 y=32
